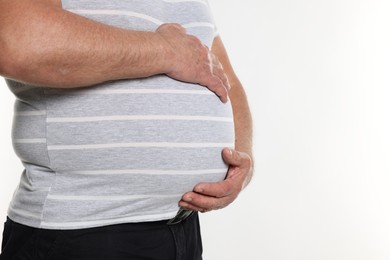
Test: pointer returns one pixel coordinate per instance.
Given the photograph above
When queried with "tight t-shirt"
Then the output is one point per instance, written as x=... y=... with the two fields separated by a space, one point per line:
x=121 y=151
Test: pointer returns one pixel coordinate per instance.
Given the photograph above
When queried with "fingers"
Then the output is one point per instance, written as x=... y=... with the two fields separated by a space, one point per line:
x=170 y=26
x=215 y=189
x=211 y=196
x=236 y=158
x=212 y=75
x=217 y=70
x=221 y=84
x=191 y=61
x=215 y=84
x=199 y=202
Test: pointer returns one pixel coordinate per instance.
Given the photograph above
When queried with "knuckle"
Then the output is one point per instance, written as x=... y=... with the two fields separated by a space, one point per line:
x=213 y=85
x=175 y=26
x=217 y=71
x=217 y=83
x=195 y=40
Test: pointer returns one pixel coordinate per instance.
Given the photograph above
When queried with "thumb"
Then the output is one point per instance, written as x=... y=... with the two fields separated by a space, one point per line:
x=231 y=156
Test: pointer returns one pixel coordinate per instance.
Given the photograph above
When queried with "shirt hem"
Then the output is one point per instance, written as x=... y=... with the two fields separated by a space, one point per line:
x=73 y=225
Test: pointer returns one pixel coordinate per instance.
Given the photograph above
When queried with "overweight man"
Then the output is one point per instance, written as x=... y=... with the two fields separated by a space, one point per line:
x=129 y=120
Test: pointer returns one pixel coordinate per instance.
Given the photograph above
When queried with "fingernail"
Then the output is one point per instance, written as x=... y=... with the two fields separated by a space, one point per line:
x=183 y=204
x=230 y=152
x=188 y=199
x=225 y=100
x=199 y=189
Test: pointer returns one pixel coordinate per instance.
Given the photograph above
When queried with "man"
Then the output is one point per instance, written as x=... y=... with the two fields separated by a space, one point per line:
x=114 y=128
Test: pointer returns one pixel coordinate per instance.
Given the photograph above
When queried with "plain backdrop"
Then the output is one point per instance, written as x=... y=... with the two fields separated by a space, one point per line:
x=317 y=78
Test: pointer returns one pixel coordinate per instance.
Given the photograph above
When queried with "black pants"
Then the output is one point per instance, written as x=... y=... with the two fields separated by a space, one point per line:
x=148 y=240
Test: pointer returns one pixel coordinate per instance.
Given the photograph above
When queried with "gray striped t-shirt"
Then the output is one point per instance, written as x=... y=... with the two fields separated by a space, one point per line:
x=122 y=151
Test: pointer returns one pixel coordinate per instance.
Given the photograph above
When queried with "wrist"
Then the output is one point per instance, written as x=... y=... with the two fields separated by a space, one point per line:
x=144 y=55
x=165 y=55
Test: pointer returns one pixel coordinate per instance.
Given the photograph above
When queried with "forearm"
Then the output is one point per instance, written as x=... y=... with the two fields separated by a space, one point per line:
x=48 y=46
x=242 y=122
x=242 y=119
x=241 y=111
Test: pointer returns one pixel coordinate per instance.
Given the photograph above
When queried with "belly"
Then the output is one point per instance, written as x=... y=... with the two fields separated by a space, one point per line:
x=119 y=152
x=121 y=130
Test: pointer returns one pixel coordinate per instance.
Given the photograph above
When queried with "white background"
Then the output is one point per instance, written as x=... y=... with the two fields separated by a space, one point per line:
x=317 y=77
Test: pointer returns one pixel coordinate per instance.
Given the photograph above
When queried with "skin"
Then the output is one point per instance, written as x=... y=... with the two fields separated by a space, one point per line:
x=37 y=39
x=211 y=196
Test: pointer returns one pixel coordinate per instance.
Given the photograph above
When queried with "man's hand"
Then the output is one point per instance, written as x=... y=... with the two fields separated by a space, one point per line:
x=191 y=61
x=211 y=196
